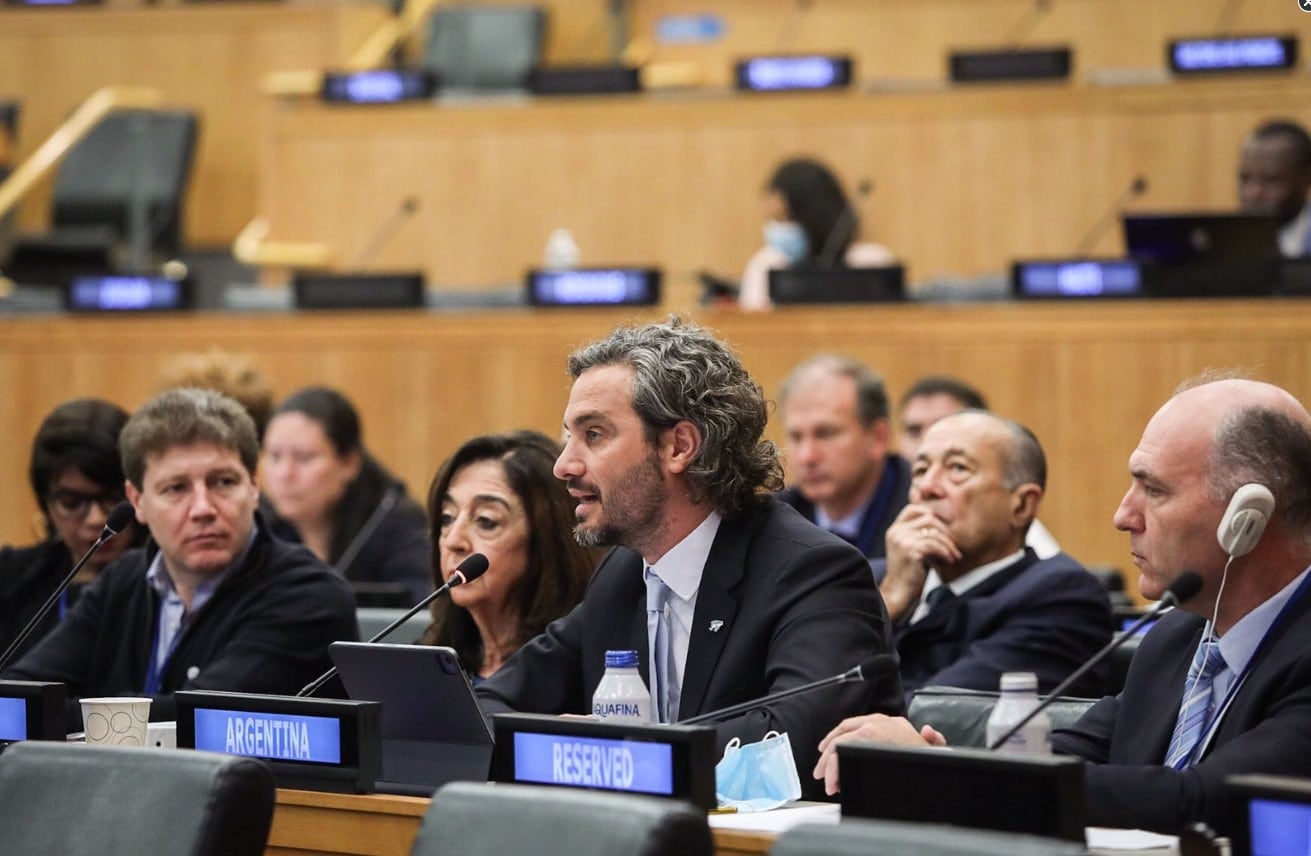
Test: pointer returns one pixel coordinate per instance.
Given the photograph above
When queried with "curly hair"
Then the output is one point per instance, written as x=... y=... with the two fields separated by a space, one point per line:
x=681 y=372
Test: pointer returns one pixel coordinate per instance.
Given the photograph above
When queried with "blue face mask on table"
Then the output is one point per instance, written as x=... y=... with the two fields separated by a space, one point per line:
x=788 y=238
x=757 y=776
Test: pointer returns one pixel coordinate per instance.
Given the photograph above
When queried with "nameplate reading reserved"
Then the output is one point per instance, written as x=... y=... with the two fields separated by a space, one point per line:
x=667 y=760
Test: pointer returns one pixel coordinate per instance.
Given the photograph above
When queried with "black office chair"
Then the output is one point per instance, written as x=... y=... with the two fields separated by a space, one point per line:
x=470 y=819
x=122 y=186
x=897 y=838
x=962 y=715
x=62 y=798
x=485 y=48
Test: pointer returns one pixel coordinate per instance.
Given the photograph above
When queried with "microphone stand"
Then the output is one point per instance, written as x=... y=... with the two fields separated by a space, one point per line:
x=855 y=673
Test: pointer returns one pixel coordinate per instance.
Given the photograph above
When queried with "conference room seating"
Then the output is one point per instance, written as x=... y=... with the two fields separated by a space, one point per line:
x=61 y=798
x=962 y=715
x=896 y=838
x=374 y=619
x=124 y=182
x=471 y=819
x=484 y=48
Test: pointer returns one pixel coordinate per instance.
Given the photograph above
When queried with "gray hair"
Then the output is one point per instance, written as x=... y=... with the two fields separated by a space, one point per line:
x=871 y=394
x=1269 y=447
x=184 y=417
x=681 y=372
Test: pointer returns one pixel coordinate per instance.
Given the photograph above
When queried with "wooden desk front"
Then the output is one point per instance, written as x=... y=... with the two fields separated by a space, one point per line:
x=309 y=822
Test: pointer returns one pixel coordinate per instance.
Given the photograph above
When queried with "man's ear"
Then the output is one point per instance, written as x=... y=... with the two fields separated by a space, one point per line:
x=681 y=443
x=1024 y=503
x=134 y=496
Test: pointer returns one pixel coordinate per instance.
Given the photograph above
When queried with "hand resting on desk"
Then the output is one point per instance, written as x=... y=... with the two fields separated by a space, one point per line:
x=873 y=728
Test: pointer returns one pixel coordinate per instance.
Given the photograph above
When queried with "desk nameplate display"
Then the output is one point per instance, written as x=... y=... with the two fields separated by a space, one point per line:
x=31 y=710
x=596 y=286
x=129 y=293
x=662 y=760
x=311 y=743
x=792 y=73
x=1056 y=279
x=1238 y=54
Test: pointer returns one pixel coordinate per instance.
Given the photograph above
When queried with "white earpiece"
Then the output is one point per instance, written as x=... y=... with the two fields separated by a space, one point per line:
x=1245 y=519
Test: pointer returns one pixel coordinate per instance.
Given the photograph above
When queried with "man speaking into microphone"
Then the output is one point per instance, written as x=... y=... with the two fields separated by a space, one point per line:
x=1222 y=685
x=213 y=601
x=731 y=594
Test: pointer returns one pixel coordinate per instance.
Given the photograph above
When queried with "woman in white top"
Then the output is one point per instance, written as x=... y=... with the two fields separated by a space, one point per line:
x=809 y=222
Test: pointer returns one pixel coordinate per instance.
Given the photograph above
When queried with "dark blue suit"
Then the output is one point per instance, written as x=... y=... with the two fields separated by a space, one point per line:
x=1045 y=616
x=791 y=604
x=890 y=497
x=1267 y=729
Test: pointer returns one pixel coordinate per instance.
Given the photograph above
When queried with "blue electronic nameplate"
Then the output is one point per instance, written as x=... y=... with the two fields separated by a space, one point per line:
x=1279 y=828
x=1251 y=53
x=279 y=737
x=591 y=762
x=1075 y=279
x=594 y=287
x=378 y=86
x=791 y=73
x=13 y=719
x=127 y=294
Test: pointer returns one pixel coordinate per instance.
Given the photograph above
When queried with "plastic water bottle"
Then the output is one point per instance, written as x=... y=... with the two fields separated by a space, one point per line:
x=561 y=251
x=621 y=696
x=1019 y=695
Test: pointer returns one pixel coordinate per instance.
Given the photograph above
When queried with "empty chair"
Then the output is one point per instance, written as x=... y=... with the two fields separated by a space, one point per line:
x=962 y=715
x=470 y=819
x=895 y=838
x=62 y=798
x=121 y=188
x=485 y=48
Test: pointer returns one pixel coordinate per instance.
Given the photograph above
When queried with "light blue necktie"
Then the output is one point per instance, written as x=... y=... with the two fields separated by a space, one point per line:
x=657 y=634
x=1195 y=712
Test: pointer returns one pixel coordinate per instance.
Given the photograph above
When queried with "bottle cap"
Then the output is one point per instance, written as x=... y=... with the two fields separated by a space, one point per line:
x=621 y=659
x=1019 y=681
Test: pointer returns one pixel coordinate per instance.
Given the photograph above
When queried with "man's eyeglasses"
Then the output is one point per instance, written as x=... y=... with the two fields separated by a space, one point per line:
x=75 y=504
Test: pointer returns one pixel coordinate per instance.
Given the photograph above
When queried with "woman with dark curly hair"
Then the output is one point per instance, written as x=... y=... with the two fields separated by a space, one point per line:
x=496 y=496
x=77 y=478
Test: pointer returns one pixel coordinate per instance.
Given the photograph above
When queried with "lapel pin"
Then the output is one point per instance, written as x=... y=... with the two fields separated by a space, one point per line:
x=715 y=625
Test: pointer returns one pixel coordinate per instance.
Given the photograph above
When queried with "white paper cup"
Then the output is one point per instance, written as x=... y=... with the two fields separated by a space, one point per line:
x=116 y=721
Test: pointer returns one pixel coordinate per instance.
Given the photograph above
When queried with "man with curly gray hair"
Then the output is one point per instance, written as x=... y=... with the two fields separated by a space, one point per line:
x=729 y=593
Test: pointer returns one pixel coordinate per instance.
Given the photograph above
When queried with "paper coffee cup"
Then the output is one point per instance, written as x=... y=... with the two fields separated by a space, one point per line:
x=116 y=721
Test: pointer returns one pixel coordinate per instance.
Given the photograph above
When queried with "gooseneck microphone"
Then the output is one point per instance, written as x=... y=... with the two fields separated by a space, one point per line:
x=1183 y=589
x=844 y=226
x=473 y=567
x=875 y=667
x=365 y=257
x=1136 y=188
x=118 y=520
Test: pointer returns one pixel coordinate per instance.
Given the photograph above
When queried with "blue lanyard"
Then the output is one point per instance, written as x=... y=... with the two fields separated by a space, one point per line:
x=154 y=668
x=1237 y=683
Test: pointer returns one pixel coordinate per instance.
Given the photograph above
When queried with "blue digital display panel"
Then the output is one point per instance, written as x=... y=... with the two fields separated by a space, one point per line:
x=790 y=73
x=13 y=719
x=591 y=762
x=593 y=287
x=126 y=293
x=378 y=86
x=1237 y=54
x=1279 y=828
x=1078 y=279
x=276 y=736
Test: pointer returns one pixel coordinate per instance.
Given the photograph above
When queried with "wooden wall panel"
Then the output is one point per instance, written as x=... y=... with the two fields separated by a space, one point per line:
x=1085 y=377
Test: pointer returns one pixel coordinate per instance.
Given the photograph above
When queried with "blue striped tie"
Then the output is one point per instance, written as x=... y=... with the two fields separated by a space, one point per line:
x=1195 y=712
x=657 y=634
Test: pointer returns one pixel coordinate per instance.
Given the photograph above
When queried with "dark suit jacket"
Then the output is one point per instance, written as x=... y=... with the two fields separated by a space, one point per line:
x=1045 y=616
x=797 y=605
x=874 y=527
x=1267 y=729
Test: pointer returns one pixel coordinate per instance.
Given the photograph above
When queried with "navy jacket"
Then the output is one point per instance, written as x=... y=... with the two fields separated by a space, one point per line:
x=891 y=496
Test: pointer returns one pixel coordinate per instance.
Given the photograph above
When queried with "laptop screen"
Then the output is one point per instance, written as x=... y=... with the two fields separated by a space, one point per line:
x=1195 y=237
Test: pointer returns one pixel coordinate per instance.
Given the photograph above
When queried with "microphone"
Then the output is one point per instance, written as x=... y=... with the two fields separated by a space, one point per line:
x=473 y=567
x=873 y=668
x=118 y=520
x=787 y=33
x=1183 y=589
x=1136 y=188
x=1021 y=29
x=843 y=226
x=385 y=233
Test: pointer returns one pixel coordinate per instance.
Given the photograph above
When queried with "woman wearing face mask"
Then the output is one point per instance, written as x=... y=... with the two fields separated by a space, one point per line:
x=809 y=222
x=332 y=496
x=497 y=496
x=77 y=478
